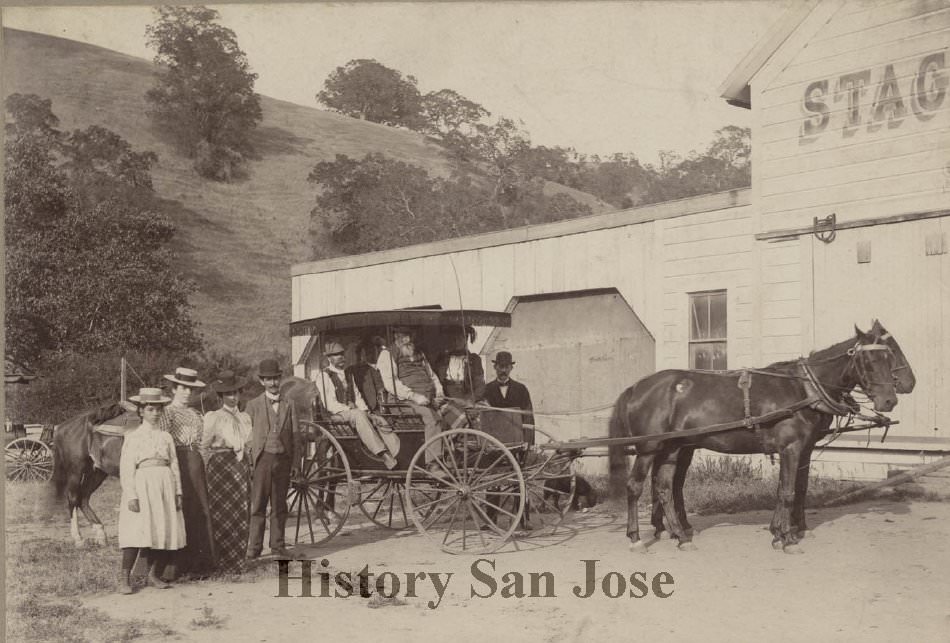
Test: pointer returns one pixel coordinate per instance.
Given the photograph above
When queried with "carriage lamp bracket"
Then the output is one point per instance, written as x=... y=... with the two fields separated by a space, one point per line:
x=825 y=229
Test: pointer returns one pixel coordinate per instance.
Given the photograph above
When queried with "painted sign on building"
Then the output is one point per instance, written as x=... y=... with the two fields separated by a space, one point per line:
x=871 y=99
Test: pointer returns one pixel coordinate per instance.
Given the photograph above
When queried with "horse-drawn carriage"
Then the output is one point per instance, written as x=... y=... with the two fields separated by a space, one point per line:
x=495 y=479
x=28 y=455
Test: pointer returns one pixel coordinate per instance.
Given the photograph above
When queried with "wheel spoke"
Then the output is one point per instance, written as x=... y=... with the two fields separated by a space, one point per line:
x=451 y=522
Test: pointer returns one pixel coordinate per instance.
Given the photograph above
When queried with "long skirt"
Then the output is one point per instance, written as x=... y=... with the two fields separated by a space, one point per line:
x=198 y=556
x=229 y=492
x=157 y=524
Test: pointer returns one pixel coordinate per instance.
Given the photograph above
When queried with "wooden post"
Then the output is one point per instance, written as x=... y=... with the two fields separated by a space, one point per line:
x=890 y=482
x=122 y=388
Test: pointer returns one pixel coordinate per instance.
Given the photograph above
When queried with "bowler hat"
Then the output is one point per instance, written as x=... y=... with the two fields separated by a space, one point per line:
x=185 y=376
x=333 y=348
x=503 y=358
x=227 y=382
x=150 y=396
x=268 y=368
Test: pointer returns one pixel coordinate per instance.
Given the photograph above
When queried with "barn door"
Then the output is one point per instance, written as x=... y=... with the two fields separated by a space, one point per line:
x=885 y=272
x=576 y=352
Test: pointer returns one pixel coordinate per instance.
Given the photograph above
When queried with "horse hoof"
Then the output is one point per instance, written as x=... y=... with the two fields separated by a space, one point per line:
x=687 y=546
x=777 y=544
x=663 y=535
x=638 y=547
x=793 y=549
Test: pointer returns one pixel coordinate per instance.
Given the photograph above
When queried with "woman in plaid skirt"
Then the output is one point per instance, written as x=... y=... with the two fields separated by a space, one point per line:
x=223 y=441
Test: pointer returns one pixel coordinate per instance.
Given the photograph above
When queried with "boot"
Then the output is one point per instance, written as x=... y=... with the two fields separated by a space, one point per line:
x=155 y=571
x=122 y=586
x=155 y=581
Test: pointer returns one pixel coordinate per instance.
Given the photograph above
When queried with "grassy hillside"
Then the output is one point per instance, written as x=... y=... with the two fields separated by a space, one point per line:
x=239 y=240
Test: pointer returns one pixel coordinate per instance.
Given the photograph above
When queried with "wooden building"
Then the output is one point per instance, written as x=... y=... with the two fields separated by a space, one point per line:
x=847 y=220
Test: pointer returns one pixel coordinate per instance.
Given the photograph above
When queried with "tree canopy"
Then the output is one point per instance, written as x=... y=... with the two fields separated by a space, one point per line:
x=204 y=96
x=88 y=266
x=368 y=90
x=378 y=203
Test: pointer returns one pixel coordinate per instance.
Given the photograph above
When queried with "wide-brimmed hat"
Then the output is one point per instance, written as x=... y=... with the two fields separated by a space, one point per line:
x=150 y=396
x=228 y=382
x=268 y=368
x=503 y=358
x=333 y=348
x=186 y=377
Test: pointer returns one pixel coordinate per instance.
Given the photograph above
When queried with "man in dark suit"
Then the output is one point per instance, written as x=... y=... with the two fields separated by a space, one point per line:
x=505 y=393
x=273 y=444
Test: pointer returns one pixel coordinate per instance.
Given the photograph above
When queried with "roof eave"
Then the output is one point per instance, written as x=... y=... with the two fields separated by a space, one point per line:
x=735 y=89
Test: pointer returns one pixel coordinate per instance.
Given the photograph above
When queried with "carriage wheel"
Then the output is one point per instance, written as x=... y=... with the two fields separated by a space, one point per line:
x=319 y=498
x=28 y=460
x=382 y=500
x=550 y=482
x=475 y=502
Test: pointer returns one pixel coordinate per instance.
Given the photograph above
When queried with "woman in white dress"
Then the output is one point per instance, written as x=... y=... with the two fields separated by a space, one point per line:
x=223 y=445
x=150 y=517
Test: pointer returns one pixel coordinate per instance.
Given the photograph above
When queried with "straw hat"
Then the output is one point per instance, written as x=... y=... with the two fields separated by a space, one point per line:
x=185 y=376
x=150 y=396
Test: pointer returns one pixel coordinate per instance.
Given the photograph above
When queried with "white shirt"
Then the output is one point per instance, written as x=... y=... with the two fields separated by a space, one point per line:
x=144 y=443
x=226 y=428
x=328 y=392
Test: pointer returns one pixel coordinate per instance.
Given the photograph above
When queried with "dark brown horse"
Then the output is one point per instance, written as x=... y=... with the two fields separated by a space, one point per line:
x=904 y=382
x=679 y=400
x=75 y=475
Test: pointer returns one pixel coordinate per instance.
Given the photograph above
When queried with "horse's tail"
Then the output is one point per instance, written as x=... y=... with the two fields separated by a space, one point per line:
x=617 y=454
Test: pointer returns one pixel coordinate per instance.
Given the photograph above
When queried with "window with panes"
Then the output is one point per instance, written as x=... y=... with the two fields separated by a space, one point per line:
x=707 y=330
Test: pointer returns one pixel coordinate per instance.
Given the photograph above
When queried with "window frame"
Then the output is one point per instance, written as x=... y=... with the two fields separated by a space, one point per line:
x=710 y=340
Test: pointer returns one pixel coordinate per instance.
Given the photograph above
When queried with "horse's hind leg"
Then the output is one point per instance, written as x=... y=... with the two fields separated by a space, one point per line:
x=656 y=508
x=641 y=465
x=683 y=461
x=664 y=485
x=801 y=492
x=92 y=482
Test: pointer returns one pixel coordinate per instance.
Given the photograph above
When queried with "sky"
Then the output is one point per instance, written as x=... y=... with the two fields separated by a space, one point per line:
x=601 y=77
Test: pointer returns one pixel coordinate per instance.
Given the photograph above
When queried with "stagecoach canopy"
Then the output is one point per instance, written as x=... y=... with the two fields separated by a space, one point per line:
x=407 y=317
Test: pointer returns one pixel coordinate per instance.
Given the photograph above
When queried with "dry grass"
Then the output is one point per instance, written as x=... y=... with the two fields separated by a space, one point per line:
x=236 y=240
x=732 y=485
x=47 y=576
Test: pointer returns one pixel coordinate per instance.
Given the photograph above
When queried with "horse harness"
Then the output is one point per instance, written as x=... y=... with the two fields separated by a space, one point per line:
x=817 y=396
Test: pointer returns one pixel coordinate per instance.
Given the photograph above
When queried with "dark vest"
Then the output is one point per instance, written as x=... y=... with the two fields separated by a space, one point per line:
x=415 y=375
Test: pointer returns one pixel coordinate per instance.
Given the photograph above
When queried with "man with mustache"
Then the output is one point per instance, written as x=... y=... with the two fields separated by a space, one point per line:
x=409 y=378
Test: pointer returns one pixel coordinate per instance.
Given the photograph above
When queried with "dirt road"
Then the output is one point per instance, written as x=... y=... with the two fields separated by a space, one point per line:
x=875 y=571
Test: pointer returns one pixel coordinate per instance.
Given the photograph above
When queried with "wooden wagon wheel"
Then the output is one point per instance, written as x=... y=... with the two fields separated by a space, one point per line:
x=475 y=501
x=382 y=500
x=319 y=498
x=550 y=484
x=28 y=460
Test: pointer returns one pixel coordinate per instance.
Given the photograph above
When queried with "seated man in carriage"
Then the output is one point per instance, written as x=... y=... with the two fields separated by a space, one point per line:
x=462 y=376
x=344 y=399
x=407 y=376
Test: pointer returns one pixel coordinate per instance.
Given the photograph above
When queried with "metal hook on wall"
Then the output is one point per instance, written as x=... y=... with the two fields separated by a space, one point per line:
x=825 y=229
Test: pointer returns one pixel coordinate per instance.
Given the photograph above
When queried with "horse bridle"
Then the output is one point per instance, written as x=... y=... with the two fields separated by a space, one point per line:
x=860 y=366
